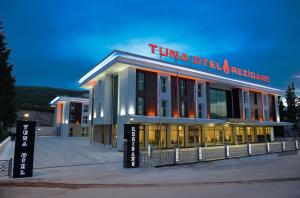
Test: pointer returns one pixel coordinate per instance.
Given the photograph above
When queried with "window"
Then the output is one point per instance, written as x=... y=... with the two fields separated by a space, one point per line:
x=182 y=87
x=174 y=136
x=85 y=120
x=141 y=81
x=163 y=108
x=199 y=90
x=260 y=134
x=228 y=137
x=219 y=134
x=141 y=106
x=218 y=104
x=163 y=84
x=267 y=117
x=265 y=99
x=268 y=133
x=256 y=114
x=71 y=118
x=247 y=113
x=199 y=110
x=156 y=132
x=72 y=107
x=245 y=97
x=250 y=134
x=240 y=135
x=214 y=135
x=194 y=135
x=85 y=108
x=255 y=98
x=183 y=109
x=142 y=137
x=84 y=132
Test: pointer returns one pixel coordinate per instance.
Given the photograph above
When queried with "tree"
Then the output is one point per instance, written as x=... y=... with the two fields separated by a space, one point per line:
x=7 y=85
x=291 y=100
x=281 y=110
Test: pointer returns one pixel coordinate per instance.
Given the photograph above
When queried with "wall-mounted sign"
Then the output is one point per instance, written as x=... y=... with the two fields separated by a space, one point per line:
x=24 y=149
x=197 y=60
x=131 y=146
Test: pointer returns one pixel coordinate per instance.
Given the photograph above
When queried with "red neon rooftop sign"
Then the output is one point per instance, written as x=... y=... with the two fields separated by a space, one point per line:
x=196 y=60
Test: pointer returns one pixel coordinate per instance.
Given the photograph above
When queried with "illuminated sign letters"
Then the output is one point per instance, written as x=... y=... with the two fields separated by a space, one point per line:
x=24 y=149
x=131 y=150
x=197 y=60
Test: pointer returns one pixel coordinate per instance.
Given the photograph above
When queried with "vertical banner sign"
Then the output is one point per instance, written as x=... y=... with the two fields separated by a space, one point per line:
x=24 y=149
x=131 y=150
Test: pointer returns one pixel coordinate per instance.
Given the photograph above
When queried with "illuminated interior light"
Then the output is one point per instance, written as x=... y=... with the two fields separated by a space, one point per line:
x=102 y=114
x=95 y=115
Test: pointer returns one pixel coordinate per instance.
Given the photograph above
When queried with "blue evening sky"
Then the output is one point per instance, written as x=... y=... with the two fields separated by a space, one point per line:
x=54 y=43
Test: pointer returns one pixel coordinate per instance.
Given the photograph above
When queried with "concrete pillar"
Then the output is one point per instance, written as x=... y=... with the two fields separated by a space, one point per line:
x=272 y=134
x=255 y=134
x=146 y=135
x=203 y=136
x=120 y=136
x=186 y=141
x=234 y=135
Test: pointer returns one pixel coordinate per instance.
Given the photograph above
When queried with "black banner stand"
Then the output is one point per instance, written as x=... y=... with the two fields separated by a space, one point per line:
x=131 y=146
x=24 y=149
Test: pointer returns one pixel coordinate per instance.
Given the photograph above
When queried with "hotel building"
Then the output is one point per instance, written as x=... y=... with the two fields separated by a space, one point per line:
x=71 y=116
x=176 y=105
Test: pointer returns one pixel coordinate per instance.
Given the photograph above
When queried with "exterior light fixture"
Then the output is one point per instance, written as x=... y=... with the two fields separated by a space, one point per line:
x=26 y=115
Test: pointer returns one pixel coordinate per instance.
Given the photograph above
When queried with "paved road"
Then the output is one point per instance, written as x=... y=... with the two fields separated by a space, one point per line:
x=77 y=169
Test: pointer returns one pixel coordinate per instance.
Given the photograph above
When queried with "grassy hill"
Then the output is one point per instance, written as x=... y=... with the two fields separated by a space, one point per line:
x=38 y=98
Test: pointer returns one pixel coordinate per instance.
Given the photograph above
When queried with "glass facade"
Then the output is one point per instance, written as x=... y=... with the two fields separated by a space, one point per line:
x=240 y=135
x=157 y=136
x=228 y=135
x=142 y=137
x=250 y=134
x=194 y=135
x=218 y=105
x=260 y=135
x=166 y=136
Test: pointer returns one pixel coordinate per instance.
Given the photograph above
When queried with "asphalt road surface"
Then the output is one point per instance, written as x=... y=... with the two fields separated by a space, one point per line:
x=74 y=168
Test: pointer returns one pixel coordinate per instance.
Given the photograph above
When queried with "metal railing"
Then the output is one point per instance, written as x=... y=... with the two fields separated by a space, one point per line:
x=5 y=168
x=175 y=156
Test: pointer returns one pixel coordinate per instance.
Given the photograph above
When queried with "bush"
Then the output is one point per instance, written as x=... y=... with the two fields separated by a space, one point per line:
x=3 y=134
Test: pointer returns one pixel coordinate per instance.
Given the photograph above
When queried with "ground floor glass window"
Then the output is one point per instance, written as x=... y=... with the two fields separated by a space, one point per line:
x=250 y=134
x=240 y=135
x=260 y=135
x=142 y=137
x=194 y=135
x=228 y=137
